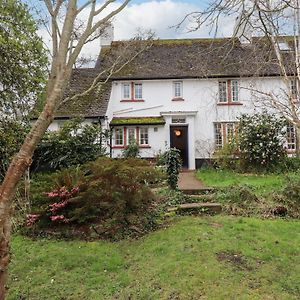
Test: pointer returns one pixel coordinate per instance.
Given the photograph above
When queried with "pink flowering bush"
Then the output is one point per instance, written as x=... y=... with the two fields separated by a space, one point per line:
x=110 y=196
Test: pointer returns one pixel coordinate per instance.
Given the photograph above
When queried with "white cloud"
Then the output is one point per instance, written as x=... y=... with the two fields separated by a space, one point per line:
x=158 y=16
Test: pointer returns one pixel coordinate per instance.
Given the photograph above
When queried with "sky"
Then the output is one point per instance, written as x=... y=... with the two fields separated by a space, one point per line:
x=161 y=17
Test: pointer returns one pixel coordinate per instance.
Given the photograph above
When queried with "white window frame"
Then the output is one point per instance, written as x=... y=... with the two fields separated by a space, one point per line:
x=128 y=134
x=177 y=89
x=291 y=137
x=126 y=84
x=138 y=95
x=144 y=140
x=223 y=91
x=235 y=86
x=224 y=132
x=218 y=135
x=119 y=140
x=294 y=88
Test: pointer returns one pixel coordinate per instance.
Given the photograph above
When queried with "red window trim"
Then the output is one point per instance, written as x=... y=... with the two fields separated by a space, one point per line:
x=229 y=94
x=132 y=95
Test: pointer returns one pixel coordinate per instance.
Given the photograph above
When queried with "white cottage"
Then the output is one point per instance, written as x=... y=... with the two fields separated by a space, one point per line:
x=186 y=94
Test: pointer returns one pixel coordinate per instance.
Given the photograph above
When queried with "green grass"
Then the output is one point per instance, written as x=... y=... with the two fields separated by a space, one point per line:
x=263 y=183
x=178 y=262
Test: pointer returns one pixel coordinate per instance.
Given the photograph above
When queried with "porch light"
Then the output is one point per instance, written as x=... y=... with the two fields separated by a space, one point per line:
x=177 y=132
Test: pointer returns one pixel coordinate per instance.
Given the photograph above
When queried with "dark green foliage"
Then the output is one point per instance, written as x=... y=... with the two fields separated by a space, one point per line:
x=73 y=144
x=109 y=197
x=172 y=161
x=260 y=141
x=132 y=150
x=227 y=157
x=23 y=60
x=12 y=134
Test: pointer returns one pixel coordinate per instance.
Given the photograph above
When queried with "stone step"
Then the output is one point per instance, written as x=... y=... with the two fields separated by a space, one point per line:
x=201 y=198
x=201 y=191
x=197 y=207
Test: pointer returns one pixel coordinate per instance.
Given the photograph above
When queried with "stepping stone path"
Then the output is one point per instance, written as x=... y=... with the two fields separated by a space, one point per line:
x=195 y=189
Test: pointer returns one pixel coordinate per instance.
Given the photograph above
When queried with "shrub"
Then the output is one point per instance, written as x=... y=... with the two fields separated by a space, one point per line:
x=132 y=150
x=171 y=160
x=227 y=156
x=260 y=141
x=109 y=196
x=73 y=144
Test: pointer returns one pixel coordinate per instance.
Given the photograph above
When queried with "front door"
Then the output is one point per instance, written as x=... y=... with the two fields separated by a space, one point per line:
x=179 y=140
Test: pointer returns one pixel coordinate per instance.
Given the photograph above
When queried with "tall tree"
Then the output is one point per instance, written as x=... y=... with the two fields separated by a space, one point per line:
x=23 y=60
x=278 y=23
x=66 y=47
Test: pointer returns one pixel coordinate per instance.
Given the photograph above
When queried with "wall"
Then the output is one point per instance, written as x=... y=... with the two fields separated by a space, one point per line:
x=200 y=107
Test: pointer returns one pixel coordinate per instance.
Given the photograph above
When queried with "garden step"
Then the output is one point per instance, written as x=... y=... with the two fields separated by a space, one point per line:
x=202 y=198
x=209 y=207
x=201 y=191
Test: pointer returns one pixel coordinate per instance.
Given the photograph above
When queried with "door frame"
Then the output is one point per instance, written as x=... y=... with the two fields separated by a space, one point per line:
x=186 y=127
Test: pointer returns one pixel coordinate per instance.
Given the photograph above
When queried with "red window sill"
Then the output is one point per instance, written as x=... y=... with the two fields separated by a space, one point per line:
x=178 y=99
x=140 y=146
x=291 y=151
x=132 y=100
x=229 y=103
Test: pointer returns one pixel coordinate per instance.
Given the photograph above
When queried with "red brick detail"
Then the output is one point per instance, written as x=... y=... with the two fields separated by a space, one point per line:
x=178 y=99
x=132 y=100
x=229 y=103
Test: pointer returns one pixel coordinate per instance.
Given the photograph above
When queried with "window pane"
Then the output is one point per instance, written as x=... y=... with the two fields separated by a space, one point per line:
x=294 y=89
x=222 y=91
x=144 y=136
x=138 y=91
x=119 y=136
x=126 y=90
x=131 y=135
x=235 y=90
x=218 y=135
x=291 y=137
x=178 y=89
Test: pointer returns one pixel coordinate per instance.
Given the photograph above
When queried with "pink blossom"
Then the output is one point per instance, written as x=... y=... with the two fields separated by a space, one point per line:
x=57 y=218
x=31 y=219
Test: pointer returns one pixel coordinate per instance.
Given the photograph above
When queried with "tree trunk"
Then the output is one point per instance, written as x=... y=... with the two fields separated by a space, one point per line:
x=17 y=168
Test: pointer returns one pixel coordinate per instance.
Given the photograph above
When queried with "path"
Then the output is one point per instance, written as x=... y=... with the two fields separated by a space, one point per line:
x=188 y=181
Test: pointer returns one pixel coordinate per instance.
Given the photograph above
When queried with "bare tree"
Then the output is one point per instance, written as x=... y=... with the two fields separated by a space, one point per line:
x=66 y=47
x=277 y=22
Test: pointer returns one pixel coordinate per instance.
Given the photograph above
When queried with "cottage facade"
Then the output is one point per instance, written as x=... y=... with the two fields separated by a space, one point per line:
x=186 y=94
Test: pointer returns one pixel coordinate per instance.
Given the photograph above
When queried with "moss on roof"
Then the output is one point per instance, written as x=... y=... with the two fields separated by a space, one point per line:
x=137 y=121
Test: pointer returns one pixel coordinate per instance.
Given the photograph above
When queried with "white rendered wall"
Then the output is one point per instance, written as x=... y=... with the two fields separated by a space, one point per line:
x=200 y=96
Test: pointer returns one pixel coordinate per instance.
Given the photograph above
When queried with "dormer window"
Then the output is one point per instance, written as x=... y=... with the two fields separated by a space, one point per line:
x=132 y=91
x=229 y=91
x=284 y=46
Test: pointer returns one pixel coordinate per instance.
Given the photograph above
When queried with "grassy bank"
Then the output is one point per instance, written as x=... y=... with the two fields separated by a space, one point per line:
x=210 y=257
x=263 y=183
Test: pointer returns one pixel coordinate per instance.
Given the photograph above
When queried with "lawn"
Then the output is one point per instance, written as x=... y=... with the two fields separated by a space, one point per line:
x=263 y=183
x=218 y=257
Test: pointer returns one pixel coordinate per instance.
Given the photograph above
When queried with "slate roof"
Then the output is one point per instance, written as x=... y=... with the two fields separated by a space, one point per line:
x=93 y=104
x=196 y=58
x=171 y=59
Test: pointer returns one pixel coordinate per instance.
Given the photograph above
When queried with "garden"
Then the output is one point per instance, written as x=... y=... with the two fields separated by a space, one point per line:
x=87 y=226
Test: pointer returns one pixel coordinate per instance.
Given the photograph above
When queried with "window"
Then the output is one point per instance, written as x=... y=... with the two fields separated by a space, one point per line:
x=177 y=120
x=218 y=135
x=131 y=135
x=132 y=91
x=234 y=90
x=222 y=91
x=126 y=90
x=119 y=137
x=228 y=91
x=224 y=133
x=291 y=137
x=144 y=138
x=177 y=89
x=138 y=91
x=294 y=89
